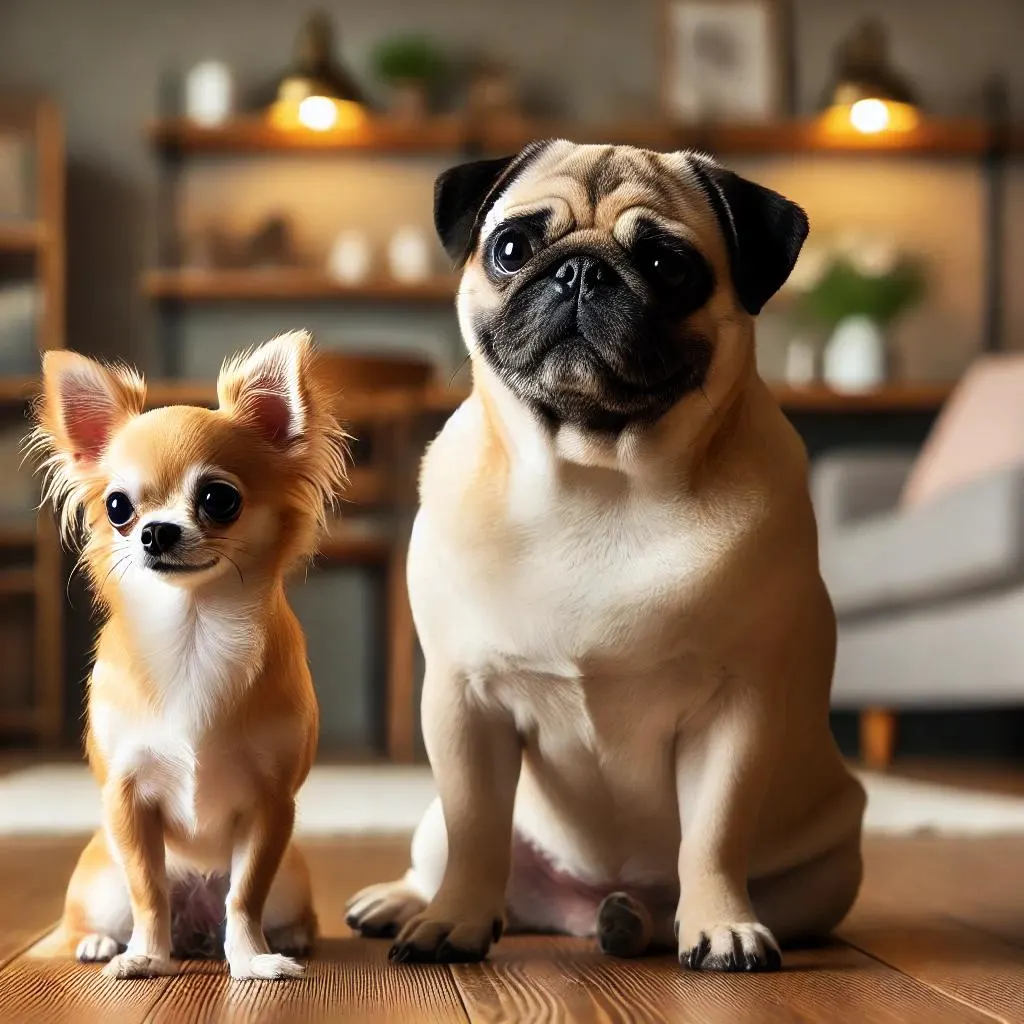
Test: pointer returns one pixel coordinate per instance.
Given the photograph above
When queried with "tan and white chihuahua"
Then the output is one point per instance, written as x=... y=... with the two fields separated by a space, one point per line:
x=202 y=719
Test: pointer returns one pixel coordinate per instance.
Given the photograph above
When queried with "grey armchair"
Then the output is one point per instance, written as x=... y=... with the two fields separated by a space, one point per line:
x=929 y=599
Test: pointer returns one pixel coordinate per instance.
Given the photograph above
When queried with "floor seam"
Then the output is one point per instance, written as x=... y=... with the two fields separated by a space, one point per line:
x=950 y=996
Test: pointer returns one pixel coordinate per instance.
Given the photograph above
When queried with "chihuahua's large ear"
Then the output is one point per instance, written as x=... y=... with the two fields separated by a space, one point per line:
x=269 y=387
x=459 y=195
x=763 y=231
x=83 y=404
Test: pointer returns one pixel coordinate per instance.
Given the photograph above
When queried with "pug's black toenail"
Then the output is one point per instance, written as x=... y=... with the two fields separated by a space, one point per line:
x=695 y=958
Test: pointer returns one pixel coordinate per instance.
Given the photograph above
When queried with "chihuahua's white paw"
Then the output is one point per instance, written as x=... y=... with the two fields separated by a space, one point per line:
x=266 y=966
x=138 y=965
x=97 y=949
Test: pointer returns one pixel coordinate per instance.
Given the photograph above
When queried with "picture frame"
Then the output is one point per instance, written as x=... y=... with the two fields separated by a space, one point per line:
x=723 y=60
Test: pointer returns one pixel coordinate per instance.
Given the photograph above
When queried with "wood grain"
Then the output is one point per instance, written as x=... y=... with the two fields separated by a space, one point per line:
x=33 y=876
x=969 y=966
x=935 y=937
x=545 y=979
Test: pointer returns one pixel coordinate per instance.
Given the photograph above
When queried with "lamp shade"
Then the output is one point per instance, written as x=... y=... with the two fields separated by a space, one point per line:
x=317 y=92
x=866 y=92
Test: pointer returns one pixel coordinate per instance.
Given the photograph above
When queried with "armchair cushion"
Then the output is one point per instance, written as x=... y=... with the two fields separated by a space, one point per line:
x=964 y=541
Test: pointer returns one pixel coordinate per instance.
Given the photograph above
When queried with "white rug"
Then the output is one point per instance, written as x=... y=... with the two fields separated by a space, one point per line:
x=368 y=800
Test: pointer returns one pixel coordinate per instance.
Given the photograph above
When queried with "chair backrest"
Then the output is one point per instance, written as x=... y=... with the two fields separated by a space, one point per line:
x=980 y=430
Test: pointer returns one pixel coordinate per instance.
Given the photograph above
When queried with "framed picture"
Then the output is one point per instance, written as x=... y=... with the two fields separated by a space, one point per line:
x=724 y=60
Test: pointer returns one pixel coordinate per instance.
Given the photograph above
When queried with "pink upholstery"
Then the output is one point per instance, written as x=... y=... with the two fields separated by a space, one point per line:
x=980 y=430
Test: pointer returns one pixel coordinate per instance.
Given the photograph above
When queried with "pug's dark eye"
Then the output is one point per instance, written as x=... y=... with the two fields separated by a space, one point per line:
x=512 y=249
x=661 y=262
x=219 y=501
x=120 y=510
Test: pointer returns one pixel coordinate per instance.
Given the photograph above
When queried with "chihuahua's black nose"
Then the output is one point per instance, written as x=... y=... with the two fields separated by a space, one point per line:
x=584 y=275
x=159 y=538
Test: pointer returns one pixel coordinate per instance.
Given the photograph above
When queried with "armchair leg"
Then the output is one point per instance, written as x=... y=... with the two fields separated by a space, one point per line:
x=877 y=737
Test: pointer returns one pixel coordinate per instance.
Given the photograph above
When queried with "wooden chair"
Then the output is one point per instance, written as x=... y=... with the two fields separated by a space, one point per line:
x=378 y=398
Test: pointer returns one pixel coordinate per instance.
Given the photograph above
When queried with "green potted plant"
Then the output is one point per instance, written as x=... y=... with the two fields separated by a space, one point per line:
x=856 y=287
x=410 y=66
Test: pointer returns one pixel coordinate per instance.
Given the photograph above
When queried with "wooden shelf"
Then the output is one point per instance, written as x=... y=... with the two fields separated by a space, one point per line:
x=18 y=535
x=16 y=390
x=355 y=407
x=17 y=582
x=354 y=544
x=21 y=236
x=256 y=135
x=937 y=137
x=287 y=285
x=893 y=398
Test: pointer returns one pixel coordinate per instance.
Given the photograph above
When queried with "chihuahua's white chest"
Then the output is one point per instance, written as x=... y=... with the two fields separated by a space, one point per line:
x=195 y=655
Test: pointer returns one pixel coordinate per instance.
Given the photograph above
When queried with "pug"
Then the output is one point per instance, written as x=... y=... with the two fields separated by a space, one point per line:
x=614 y=577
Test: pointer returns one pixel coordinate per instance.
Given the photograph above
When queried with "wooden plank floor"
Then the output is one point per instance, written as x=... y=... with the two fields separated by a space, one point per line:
x=937 y=936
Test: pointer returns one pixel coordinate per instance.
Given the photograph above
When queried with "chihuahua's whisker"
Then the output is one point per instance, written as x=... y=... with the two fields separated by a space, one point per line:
x=118 y=563
x=228 y=558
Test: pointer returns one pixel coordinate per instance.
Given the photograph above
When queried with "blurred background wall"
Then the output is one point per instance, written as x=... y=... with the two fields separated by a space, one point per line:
x=105 y=62
x=111 y=66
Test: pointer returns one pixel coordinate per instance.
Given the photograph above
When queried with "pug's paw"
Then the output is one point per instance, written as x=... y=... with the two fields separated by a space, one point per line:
x=440 y=935
x=380 y=911
x=743 y=946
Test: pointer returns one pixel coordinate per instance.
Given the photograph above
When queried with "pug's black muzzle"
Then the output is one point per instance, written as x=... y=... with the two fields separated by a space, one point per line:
x=587 y=342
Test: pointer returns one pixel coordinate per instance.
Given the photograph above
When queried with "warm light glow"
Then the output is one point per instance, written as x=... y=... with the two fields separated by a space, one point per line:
x=867 y=116
x=870 y=117
x=318 y=113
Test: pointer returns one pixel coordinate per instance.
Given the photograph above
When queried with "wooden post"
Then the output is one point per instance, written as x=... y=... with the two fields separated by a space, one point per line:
x=877 y=737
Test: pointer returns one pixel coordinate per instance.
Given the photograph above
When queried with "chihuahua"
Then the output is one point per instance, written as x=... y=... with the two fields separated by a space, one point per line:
x=202 y=718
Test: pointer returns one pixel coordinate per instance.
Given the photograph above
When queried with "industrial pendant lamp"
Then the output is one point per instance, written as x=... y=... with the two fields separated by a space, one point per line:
x=316 y=92
x=867 y=94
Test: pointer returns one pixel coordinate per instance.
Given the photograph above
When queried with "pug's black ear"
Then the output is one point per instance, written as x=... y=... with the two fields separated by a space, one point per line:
x=764 y=232
x=459 y=195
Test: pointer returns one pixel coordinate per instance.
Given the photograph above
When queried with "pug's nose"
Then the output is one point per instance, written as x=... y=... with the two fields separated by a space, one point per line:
x=584 y=275
x=159 y=538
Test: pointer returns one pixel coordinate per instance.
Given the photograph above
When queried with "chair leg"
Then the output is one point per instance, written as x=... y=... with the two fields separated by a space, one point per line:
x=877 y=737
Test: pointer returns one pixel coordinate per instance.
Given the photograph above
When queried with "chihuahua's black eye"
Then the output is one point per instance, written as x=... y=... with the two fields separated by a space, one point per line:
x=219 y=502
x=512 y=249
x=661 y=262
x=119 y=509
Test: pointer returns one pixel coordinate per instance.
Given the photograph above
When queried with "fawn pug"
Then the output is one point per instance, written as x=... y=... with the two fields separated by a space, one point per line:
x=202 y=719
x=614 y=575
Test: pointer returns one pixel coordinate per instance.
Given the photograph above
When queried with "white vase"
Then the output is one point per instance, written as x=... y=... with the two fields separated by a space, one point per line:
x=409 y=256
x=349 y=260
x=855 y=356
x=801 y=362
x=209 y=93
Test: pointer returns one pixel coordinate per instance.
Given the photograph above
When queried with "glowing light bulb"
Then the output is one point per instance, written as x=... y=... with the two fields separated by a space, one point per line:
x=870 y=116
x=318 y=113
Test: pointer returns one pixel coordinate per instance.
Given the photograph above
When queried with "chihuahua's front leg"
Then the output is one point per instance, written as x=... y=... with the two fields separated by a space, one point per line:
x=135 y=830
x=721 y=784
x=259 y=849
x=476 y=756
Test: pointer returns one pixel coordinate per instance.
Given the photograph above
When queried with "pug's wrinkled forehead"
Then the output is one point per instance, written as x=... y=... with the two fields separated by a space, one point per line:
x=606 y=188
x=745 y=230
